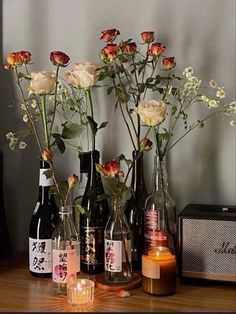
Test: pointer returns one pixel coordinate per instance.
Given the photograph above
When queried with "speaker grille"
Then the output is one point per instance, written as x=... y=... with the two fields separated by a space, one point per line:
x=209 y=246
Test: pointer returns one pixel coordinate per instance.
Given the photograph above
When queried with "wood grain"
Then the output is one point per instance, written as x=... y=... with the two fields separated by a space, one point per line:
x=20 y=292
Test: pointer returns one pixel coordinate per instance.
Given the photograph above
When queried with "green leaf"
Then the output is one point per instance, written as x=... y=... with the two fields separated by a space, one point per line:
x=48 y=173
x=109 y=90
x=103 y=125
x=59 y=142
x=72 y=130
x=82 y=210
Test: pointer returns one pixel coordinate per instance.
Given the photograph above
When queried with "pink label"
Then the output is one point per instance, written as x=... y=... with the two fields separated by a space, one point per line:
x=64 y=265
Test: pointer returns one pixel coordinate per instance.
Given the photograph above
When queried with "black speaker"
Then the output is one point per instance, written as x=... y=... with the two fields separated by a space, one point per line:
x=207 y=242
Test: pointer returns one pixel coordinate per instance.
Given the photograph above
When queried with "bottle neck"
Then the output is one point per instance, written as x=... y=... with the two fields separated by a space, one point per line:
x=160 y=180
x=137 y=180
x=94 y=178
x=44 y=182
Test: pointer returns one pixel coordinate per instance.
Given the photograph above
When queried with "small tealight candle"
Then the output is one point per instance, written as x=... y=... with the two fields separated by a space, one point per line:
x=159 y=271
x=80 y=292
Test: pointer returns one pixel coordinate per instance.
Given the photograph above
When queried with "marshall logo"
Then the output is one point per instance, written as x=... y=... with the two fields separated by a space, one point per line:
x=225 y=248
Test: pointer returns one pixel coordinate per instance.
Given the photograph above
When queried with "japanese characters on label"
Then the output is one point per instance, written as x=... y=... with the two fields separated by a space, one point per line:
x=40 y=256
x=64 y=266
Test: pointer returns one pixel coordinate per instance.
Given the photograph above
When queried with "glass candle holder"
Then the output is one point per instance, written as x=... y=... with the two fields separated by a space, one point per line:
x=80 y=292
x=159 y=271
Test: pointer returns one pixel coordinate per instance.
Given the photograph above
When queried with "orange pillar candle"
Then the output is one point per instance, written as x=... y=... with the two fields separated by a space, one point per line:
x=159 y=271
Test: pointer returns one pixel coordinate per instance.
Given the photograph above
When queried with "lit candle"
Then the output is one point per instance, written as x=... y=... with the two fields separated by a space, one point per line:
x=159 y=271
x=80 y=292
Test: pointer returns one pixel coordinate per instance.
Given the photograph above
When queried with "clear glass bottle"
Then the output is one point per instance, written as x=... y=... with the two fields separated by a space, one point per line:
x=65 y=251
x=160 y=212
x=118 y=267
x=92 y=227
x=135 y=208
x=44 y=219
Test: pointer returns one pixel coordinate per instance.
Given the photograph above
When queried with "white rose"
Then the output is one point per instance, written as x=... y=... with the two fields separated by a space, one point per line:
x=82 y=75
x=42 y=82
x=151 y=112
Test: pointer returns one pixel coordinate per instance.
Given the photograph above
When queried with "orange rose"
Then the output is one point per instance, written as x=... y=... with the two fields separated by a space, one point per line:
x=47 y=154
x=109 y=52
x=129 y=48
x=156 y=49
x=168 y=62
x=110 y=35
x=59 y=58
x=25 y=56
x=147 y=37
x=14 y=59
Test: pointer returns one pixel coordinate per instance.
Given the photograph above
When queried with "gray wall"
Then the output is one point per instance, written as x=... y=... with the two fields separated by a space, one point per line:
x=200 y=33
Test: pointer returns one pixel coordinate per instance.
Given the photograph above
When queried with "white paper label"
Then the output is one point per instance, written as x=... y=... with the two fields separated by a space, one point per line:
x=114 y=255
x=64 y=265
x=40 y=255
x=43 y=180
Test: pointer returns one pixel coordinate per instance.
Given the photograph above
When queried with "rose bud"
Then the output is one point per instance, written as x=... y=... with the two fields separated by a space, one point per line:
x=109 y=52
x=156 y=49
x=47 y=154
x=168 y=62
x=129 y=48
x=145 y=145
x=14 y=59
x=59 y=58
x=72 y=180
x=110 y=35
x=25 y=56
x=147 y=37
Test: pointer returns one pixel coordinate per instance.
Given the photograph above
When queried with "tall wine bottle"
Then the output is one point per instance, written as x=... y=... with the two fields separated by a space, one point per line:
x=92 y=227
x=45 y=217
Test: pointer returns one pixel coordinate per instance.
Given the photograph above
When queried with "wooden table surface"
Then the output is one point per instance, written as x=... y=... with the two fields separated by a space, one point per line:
x=21 y=292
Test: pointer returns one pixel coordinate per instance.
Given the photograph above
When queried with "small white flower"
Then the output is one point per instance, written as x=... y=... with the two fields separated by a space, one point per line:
x=204 y=99
x=213 y=83
x=22 y=145
x=213 y=103
x=220 y=93
x=23 y=106
x=9 y=135
x=232 y=106
x=25 y=118
x=188 y=70
x=34 y=103
x=13 y=142
x=232 y=123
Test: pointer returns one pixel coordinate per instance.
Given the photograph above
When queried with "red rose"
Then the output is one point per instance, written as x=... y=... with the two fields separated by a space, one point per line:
x=147 y=37
x=156 y=49
x=25 y=56
x=13 y=58
x=168 y=62
x=109 y=52
x=110 y=168
x=72 y=180
x=110 y=35
x=129 y=48
x=59 y=58
x=145 y=145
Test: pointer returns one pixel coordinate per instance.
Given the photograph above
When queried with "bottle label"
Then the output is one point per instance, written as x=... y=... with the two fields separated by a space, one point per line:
x=43 y=180
x=152 y=225
x=150 y=268
x=64 y=265
x=115 y=255
x=40 y=255
x=92 y=245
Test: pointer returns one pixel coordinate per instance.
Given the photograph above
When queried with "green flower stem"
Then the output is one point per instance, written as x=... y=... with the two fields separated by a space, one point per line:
x=28 y=113
x=44 y=116
x=88 y=93
x=55 y=101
